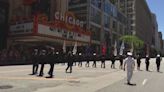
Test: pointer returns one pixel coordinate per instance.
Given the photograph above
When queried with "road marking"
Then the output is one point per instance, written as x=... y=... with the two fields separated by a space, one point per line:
x=144 y=82
x=40 y=78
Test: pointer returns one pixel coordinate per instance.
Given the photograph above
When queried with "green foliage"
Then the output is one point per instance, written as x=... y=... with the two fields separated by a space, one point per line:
x=130 y=39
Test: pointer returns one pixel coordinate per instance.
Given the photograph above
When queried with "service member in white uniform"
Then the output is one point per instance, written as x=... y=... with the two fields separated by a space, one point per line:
x=129 y=64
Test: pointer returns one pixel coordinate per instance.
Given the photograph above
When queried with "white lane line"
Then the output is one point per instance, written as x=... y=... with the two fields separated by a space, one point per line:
x=144 y=82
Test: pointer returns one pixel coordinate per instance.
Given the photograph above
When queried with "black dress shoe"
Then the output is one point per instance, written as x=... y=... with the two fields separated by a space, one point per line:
x=32 y=74
x=40 y=75
x=49 y=77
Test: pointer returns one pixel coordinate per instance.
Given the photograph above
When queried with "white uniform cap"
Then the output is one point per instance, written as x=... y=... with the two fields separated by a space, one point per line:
x=129 y=54
x=94 y=53
x=35 y=49
x=52 y=48
x=80 y=54
x=158 y=55
x=57 y=52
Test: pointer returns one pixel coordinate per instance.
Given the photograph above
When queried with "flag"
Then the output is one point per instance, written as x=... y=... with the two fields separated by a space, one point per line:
x=115 y=49
x=132 y=48
x=64 y=47
x=75 y=48
x=104 y=49
x=122 y=48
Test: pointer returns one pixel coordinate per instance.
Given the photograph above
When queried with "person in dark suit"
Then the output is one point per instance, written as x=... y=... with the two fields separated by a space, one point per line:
x=103 y=61
x=147 y=62
x=70 y=60
x=113 y=61
x=35 y=55
x=87 y=58
x=94 y=60
x=121 y=61
x=138 y=62
x=53 y=57
x=158 y=62
x=80 y=60
x=43 y=56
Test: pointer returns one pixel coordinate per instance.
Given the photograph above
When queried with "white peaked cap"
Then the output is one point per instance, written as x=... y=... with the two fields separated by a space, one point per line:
x=57 y=52
x=94 y=53
x=158 y=55
x=79 y=53
x=129 y=53
x=52 y=48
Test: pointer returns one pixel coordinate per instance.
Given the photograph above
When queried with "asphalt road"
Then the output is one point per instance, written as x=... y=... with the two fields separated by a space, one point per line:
x=17 y=79
x=145 y=82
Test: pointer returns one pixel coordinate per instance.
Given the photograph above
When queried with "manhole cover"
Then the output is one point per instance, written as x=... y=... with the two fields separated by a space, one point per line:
x=6 y=87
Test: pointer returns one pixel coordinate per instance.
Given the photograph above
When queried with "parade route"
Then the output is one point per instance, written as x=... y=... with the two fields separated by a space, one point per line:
x=17 y=79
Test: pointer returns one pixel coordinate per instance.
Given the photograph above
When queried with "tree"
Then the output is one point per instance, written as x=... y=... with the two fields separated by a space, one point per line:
x=133 y=41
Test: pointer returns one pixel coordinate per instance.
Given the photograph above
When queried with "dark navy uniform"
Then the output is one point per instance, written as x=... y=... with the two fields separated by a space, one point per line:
x=35 y=55
x=70 y=60
x=94 y=60
x=113 y=61
x=158 y=62
x=87 y=58
x=147 y=62
x=43 y=57
x=53 y=57
x=79 y=58
x=103 y=61
x=121 y=61
x=138 y=62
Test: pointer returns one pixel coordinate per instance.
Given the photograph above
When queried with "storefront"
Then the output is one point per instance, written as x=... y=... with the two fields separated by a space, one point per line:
x=37 y=30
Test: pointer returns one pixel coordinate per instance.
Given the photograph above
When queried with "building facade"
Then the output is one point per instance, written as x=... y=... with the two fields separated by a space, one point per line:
x=102 y=18
x=38 y=22
x=140 y=21
x=157 y=38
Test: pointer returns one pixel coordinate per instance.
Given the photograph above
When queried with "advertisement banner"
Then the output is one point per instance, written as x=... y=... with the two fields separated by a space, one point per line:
x=61 y=33
x=23 y=28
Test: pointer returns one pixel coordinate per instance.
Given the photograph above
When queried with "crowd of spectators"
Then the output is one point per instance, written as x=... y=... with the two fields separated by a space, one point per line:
x=14 y=54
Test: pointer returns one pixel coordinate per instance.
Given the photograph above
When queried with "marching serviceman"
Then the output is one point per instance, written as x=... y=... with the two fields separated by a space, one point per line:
x=130 y=64
x=147 y=62
x=70 y=62
x=80 y=60
x=87 y=59
x=121 y=61
x=138 y=62
x=42 y=61
x=94 y=60
x=35 y=55
x=52 y=56
x=113 y=58
x=158 y=62
x=103 y=61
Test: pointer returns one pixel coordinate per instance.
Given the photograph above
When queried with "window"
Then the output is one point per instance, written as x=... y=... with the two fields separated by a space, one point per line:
x=107 y=7
x=95 y=33
x=114 y=25
x=96 y=3
x=95 y=16
x=106 y=21
x=75 y=2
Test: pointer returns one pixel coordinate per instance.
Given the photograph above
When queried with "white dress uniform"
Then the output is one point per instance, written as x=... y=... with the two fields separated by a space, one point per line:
x=130 y=63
